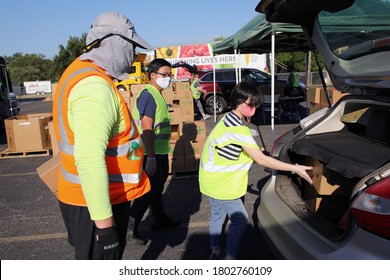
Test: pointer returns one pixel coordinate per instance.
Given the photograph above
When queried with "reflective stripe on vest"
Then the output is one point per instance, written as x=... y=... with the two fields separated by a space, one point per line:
x=121 y=150
x=114 y=178
x=127 y=181
x=221 y=164
x=161 y=126
x=68 y=148
x=219 y=177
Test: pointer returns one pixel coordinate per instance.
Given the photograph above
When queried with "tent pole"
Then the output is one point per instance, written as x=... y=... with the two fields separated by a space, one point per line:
x=215 y=97
x=272 y=88
x=236 y=63
x=308 y=78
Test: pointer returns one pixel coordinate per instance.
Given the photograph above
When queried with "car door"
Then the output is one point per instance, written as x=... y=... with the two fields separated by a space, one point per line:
x=226 y=81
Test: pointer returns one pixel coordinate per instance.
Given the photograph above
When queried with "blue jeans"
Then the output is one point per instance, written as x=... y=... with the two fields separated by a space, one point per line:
x=238 y=216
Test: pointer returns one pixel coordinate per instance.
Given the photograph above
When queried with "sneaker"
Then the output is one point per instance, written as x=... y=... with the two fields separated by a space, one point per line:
x=206 y=117
x=165 y=223
x=220 y=256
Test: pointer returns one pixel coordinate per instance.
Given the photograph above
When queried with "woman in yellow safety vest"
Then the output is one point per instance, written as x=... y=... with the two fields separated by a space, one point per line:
x=197 y=91
x=227 y=156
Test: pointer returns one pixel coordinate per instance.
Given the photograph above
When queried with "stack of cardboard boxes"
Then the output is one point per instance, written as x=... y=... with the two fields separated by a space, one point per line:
x=28 y=133
x=31 y=133
x=187 y=135
x=317 y=99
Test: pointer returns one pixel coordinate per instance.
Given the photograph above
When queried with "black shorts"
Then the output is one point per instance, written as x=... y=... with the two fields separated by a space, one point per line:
x=81 y=229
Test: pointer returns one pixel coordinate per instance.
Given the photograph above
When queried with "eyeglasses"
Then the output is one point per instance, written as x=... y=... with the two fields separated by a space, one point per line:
x=250 y=105
x=165 y=75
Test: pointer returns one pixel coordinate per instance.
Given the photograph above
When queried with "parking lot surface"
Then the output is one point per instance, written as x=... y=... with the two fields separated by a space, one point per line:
x=32 y=226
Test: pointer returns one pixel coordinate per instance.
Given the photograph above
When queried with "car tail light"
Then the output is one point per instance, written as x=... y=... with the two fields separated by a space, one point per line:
x=371 y=209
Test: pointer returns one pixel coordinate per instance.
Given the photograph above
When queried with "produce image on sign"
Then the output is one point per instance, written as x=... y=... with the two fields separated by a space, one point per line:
x=185 y=53
x=202 y=56
x=167 y=52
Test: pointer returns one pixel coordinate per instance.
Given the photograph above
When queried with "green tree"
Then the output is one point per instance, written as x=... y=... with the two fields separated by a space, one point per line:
x=66 y=55
x=298 y=60
x=29 y=67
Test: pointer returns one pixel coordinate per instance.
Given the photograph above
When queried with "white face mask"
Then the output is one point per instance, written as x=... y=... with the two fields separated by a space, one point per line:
x=163 y=82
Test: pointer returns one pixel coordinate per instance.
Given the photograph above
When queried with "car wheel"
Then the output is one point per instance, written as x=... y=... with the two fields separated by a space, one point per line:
x=221 y=105
x=121 y=88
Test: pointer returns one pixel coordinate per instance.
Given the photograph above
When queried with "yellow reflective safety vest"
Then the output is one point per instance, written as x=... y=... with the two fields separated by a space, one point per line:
x=162 y=122
x=221 y=178
x=195 y=92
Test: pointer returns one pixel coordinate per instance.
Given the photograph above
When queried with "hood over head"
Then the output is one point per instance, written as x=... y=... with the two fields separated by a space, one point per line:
x=111 y=44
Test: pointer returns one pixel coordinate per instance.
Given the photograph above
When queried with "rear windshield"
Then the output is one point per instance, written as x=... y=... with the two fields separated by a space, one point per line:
x=362 y=29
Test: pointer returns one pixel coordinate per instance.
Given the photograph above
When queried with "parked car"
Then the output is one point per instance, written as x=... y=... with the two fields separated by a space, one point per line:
x=225 y=80
x=345 y=214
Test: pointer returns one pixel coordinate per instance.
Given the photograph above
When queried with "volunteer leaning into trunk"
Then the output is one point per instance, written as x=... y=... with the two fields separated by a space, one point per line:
x=95 y=132
x=226 y=158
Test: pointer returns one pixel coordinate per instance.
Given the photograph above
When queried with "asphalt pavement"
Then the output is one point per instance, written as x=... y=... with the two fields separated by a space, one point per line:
x=32 y=226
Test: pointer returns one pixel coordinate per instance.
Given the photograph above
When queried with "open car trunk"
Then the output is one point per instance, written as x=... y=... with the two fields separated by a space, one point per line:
x=353 y=145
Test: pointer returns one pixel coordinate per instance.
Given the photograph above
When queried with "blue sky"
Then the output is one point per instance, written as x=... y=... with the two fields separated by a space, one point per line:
x=40 y=26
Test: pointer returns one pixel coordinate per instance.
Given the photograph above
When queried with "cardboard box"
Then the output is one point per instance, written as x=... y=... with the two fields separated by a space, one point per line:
x=53 y=139
x=311 y=95
x=336 y=95
x=331 y=208
x=314 y=108
x=172 y=88
x=193 y=148
x=317 y=96
x=183 y=86
x=193 y=131
x=177 y=148
x=48 y=172
x=28 y=132
x=187 y=106
x=135 y=89
x=177 y=91
x=328 y=182
x=176 y=164
x=175 y=113
x=175 y=132
x=192 y=163
x=127 y=98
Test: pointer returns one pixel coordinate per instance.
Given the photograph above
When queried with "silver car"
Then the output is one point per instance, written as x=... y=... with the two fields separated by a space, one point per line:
x=345 y=213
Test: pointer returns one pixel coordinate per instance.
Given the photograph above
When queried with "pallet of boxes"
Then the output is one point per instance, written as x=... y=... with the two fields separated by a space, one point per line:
x=31 y=135
x=187 y=135
x=27 y=135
